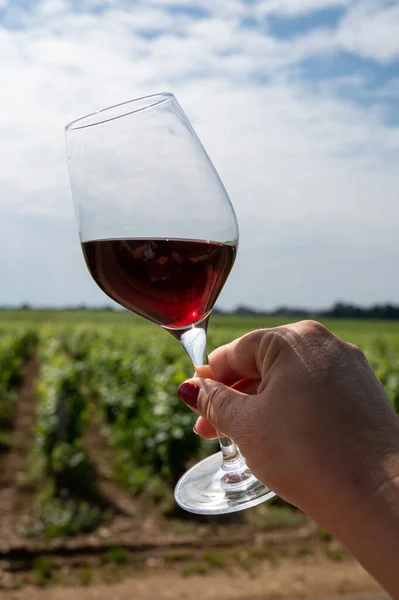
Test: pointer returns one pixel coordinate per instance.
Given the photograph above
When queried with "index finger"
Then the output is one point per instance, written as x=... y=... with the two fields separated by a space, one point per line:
x=239 y=359
x=204 y=429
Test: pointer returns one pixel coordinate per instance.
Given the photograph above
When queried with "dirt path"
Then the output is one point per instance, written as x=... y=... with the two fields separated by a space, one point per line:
x=13 y=494
x=95 y=443
x=309 y=577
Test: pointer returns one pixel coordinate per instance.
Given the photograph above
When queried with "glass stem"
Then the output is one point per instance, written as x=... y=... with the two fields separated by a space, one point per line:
x=193 y=340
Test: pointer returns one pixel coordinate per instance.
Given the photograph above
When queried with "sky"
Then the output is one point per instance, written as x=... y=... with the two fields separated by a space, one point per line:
x=295 y=101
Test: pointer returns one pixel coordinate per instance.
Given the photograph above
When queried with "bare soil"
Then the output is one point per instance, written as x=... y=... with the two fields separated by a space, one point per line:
x=290 y=579
x=15 y=494
x=119 y=500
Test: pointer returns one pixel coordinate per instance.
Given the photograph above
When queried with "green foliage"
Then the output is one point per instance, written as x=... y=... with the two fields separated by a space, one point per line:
x=323 y=534
x=64 y=517
x=214 y=559
x=86 y=575
x=384 y=358
x=303 y=551
x=15 y=347
x=129 y=370
x=135 y=381
x=265 y=554
x=283 y=516
x=119 y=556
x=195 y=568
x=68 y=502
x=43 y=569
x=336 y=554
x=61 y=417
x=270 y=516
x=134 y=384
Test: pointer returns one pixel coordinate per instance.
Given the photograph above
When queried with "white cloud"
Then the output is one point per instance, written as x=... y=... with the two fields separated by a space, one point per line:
x=371 y=29
x=312 y=176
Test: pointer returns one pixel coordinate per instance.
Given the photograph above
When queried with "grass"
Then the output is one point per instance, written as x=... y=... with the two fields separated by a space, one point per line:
x=210 y=560
x=86 y=575
x=268 y=517
x=119 y=564
x=118 y=556
x=337 y=554
x=323 y=534
x=195 y=568
x=264 y=554
x=180 y=527
x=43 y=570
x=354 y=330
x=246 y=563
x=303 y=551
x=112 y=573
x=175 y=556
x=4 y=440
x=248 y=559
x=16 y=584
x=4 y=444
x=214 y=559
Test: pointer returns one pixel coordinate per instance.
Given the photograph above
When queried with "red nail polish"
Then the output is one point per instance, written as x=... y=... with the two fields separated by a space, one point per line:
x=188 y=392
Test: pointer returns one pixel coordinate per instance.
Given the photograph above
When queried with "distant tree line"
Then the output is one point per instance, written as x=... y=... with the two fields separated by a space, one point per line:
x=340 y=310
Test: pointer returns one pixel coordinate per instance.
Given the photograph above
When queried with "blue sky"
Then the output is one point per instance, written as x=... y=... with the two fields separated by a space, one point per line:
x=296 y=103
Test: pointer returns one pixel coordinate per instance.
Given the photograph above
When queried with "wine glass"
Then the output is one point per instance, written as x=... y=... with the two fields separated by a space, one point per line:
x=159 y=236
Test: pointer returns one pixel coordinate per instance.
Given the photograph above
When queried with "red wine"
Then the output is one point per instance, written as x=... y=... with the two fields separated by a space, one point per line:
x=172 y=282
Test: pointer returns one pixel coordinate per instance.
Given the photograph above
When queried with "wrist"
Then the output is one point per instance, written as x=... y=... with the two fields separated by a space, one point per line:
x=369 y=523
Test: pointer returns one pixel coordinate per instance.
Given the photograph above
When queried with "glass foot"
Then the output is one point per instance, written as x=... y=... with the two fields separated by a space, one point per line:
x=203 y=489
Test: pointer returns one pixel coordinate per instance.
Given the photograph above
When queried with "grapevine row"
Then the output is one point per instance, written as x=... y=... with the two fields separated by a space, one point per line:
x=131 y=380
x=15 y=347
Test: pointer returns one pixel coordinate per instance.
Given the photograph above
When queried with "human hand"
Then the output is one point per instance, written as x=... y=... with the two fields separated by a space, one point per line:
x=310 y=417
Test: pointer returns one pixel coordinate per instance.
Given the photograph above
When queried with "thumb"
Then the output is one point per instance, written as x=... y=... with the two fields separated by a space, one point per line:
x=223 y=407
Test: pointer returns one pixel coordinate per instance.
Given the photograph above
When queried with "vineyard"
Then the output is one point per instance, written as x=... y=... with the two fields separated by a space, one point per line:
x=93 y=439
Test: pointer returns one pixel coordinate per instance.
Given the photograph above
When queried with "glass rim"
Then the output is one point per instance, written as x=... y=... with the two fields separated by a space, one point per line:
x=149 y=102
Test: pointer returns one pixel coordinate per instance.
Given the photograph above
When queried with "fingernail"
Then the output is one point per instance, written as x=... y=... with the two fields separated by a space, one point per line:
x=195 y=429
x=188 y=392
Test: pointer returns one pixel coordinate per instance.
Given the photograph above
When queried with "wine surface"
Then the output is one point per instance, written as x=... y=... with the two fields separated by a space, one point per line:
x=173 y=282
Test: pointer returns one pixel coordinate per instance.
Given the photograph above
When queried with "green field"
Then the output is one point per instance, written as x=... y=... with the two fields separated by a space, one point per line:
x=116 y=373
x=357 y=331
